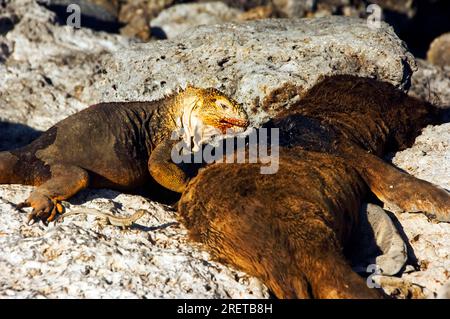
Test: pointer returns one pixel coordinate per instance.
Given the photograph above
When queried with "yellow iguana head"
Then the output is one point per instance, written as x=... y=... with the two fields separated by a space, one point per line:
x=209 y=112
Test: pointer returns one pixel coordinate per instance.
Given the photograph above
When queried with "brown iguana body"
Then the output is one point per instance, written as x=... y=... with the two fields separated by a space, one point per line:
x=114 y=145
x=289 y=228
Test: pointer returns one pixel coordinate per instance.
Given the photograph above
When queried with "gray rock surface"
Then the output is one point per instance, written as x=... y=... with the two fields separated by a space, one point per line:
x=181 y=17
x=51 y=71
x=47 y=66
x=431 y=83
x=444 y=292
x=266 y=65
x=80 y=258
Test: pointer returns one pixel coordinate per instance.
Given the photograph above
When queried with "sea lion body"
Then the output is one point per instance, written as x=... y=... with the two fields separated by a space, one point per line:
x=290 y=228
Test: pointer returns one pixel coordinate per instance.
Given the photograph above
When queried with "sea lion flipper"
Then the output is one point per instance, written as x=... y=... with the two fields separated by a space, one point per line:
x=387 y=238
x=377 y=242
x=401 y=190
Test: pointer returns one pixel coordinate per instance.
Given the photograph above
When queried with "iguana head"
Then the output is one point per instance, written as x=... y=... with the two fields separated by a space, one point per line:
x=209 y=112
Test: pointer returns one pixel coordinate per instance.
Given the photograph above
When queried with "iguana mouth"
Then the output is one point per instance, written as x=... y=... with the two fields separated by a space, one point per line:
x=230 y=122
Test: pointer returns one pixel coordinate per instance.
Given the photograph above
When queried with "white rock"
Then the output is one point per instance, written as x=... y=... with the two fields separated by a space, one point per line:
x=430 y=241
x=266 y=65
x=181 y=17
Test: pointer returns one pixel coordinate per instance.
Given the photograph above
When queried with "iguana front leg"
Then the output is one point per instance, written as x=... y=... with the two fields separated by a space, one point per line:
x=164 y=170
x=65 y=181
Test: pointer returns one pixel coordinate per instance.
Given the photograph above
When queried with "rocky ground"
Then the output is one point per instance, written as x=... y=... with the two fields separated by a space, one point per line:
x=48 y=71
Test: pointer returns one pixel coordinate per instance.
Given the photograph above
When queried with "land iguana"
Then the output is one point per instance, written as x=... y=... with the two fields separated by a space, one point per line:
x=118 y=145
x=289 y=228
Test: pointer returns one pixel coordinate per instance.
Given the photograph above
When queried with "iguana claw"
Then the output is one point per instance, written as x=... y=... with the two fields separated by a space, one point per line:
x=44 y=208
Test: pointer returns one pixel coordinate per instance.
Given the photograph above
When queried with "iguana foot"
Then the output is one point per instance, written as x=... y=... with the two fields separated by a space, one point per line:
x=65 y=182
x=44 y=208
x=431 y=199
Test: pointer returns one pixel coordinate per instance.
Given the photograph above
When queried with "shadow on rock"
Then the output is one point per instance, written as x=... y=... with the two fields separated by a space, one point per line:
x=15 y=135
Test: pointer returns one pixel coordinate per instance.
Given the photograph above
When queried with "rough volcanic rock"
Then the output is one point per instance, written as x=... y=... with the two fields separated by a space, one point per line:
x=179 y=18
x=137 y=14
x=46 y=67
x=439 y=52
x=431 y=83
x=265 y=64
x=80 y=258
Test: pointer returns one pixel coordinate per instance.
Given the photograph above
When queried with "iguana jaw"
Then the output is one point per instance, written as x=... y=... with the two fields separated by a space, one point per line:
x=207 y=113
x=236 y=125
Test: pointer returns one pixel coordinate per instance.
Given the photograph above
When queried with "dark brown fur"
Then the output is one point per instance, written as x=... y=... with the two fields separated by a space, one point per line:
x=289 y=228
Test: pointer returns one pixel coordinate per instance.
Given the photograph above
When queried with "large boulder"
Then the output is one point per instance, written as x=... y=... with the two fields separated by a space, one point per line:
x=266 y=65
x=431 y=83
x=439 y=51
x=46 y=67
x=177 y=19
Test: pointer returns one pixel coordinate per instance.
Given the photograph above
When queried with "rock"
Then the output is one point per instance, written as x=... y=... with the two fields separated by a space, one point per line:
x=179 y=18
x=292 y=8
x=79 y=258
x=266 y=65
x=102 y=10
x=47 y=67
x=377 y=242
x=241 y=4
x=136 y=18
x=428 y=159
x=444 y=293
x=282 y=8
x=439 y=52
x=137 y=14
x=431 y=83
x=261 y=12
x=400 y=7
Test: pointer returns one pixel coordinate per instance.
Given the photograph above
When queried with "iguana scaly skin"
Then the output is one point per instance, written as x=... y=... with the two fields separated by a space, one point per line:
x=117 y=145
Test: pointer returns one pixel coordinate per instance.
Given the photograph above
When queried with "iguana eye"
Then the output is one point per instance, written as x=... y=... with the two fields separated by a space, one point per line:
x=222 y=105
